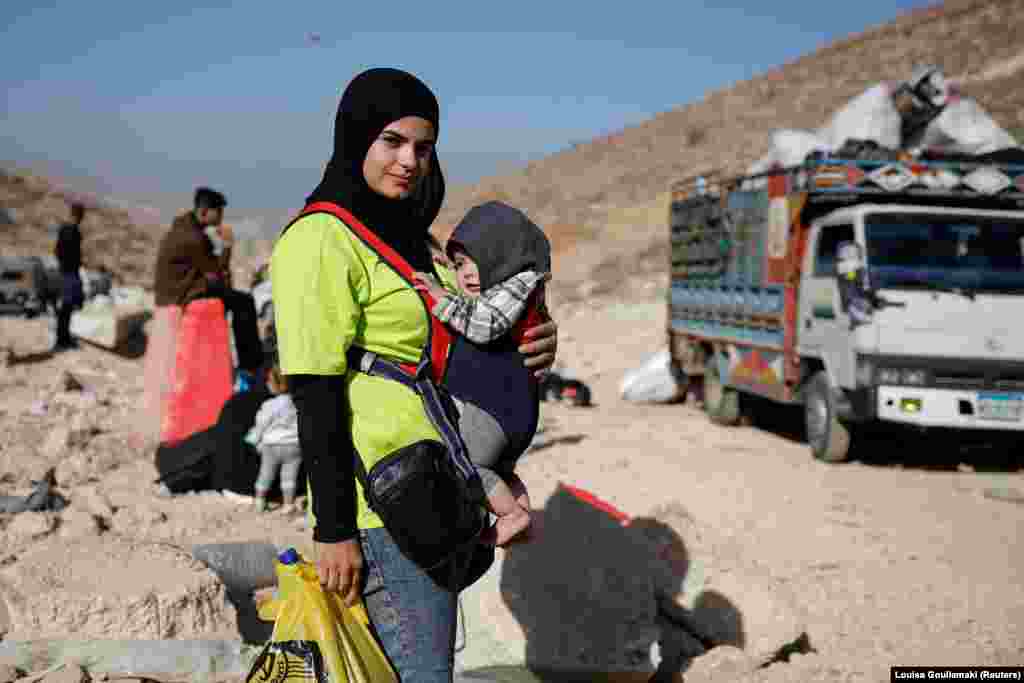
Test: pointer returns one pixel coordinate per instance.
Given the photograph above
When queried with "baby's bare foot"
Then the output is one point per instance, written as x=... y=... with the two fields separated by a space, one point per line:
x=510 y=526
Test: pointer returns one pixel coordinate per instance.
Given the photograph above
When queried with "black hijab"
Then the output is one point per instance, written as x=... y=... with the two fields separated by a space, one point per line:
x=502 y=241
x=374 y=99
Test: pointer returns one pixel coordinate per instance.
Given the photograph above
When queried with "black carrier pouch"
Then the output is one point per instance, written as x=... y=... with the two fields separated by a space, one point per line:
x=423 y=504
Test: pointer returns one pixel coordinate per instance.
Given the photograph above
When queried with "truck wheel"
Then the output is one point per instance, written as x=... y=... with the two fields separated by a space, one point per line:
x=828 y=438
x=721 y=403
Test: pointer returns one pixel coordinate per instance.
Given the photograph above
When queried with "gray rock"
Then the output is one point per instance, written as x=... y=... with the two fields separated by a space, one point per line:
x=78 y=523
x=28 y=526
x=90 y=498
x=131 y=520
x=56 y=444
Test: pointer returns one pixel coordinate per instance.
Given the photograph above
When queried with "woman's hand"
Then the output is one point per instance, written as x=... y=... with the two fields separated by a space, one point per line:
x=428 y=283
x=340 y=566
x=541 y=349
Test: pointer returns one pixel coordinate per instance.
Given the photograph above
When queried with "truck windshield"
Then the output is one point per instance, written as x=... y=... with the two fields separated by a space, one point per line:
x=945 y=252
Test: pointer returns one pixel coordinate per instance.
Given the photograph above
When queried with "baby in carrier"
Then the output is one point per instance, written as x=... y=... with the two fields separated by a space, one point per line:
x=501 y=261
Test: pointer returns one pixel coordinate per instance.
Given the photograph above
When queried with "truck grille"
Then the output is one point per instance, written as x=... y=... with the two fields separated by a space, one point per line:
x=957 y=373
x=967 y=379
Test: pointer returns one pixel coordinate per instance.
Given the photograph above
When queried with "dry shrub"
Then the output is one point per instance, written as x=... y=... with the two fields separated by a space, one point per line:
x=696 y=135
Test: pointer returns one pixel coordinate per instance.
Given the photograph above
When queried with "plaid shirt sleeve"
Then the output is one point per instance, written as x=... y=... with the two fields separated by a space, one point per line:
x=491 y=315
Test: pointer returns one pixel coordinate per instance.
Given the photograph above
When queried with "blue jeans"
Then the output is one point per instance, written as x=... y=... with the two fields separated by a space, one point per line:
x=413 y=617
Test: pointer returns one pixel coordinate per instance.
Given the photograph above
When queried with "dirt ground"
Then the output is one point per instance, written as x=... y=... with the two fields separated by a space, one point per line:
x=910 y=557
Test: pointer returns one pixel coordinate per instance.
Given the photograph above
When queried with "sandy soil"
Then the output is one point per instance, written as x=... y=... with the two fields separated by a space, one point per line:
x=911 y=558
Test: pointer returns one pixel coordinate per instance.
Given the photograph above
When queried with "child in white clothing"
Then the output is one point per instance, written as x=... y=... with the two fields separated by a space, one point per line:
x=276 y=436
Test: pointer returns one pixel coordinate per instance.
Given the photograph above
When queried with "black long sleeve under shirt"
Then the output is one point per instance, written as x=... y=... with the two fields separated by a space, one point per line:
x=328 y=453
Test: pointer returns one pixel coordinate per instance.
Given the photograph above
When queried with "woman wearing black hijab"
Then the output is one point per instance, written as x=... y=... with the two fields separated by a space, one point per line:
x=333 y=291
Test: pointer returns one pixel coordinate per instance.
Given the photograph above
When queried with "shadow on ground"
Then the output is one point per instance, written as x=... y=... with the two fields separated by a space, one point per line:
x=14 y=359
x=587 y=592
x=132 y=348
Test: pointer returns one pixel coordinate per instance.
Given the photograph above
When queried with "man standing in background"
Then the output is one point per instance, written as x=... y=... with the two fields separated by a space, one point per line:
x=69 y=259
x=192 y=263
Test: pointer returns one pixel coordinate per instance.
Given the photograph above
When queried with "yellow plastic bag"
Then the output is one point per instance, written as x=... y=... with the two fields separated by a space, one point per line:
x=316 y=636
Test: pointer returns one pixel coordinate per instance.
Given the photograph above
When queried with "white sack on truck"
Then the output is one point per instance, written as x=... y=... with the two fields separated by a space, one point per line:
x=869 y=116
x=934 y=117
x=964 y=127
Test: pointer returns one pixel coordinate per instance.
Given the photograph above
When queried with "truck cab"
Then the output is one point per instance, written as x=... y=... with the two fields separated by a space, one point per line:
x=942 y=342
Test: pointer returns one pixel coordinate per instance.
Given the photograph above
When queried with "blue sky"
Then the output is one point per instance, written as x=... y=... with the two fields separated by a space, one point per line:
x=151 y=99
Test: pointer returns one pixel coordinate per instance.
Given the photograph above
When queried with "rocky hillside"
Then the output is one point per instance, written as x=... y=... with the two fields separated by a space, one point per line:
x=31 y=207
x=605 y=202
x=121 y=240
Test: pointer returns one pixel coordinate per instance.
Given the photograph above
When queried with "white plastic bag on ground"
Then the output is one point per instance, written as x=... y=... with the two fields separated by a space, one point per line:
x=653 y=382
x=964 y=127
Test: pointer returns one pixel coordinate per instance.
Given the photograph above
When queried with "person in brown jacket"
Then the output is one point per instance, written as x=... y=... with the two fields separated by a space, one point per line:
x=192 y=263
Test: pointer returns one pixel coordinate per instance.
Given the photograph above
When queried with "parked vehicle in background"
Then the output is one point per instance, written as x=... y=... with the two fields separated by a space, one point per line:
x=29 y=285
x=866 y=291
x=22 y=280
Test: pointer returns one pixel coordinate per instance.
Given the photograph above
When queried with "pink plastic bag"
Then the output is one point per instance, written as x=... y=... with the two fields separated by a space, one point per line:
x=188 y=368
x=158 y=369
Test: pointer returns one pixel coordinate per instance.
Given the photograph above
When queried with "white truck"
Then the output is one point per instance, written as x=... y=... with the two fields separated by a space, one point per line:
x=867 y=291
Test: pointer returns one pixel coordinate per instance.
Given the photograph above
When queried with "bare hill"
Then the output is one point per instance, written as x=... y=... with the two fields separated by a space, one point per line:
x=604 y=203
x=122 y=240
x=113 y=238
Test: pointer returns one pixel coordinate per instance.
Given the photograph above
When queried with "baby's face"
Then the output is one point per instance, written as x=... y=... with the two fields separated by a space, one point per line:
x=466 y=273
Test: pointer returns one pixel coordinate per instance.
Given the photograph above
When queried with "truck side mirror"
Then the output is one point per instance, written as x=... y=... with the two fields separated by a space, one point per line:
x=853 y=295
x=849 y=261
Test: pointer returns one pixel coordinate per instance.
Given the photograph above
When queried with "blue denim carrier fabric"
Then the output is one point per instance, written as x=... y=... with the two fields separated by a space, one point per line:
x=412 y=617
x=493 y=378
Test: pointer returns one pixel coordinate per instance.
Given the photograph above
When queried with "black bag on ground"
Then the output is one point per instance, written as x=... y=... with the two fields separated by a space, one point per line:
x=188 y=464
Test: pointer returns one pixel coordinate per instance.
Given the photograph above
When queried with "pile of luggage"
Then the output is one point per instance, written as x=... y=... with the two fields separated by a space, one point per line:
x=924 y=117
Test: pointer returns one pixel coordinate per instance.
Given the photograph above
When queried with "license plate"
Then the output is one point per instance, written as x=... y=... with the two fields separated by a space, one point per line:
x=999 y=406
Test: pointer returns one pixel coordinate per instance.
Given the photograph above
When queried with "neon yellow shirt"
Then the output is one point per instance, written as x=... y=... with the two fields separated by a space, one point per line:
x=332 y=291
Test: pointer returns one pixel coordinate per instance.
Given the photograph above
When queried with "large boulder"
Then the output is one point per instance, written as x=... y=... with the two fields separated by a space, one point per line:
x=110 y=588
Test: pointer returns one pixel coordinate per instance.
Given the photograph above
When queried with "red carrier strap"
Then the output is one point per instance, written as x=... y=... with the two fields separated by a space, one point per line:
x=440 y=338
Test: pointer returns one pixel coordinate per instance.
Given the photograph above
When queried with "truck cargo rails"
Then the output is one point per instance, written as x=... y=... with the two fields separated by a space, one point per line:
x=865 y=291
